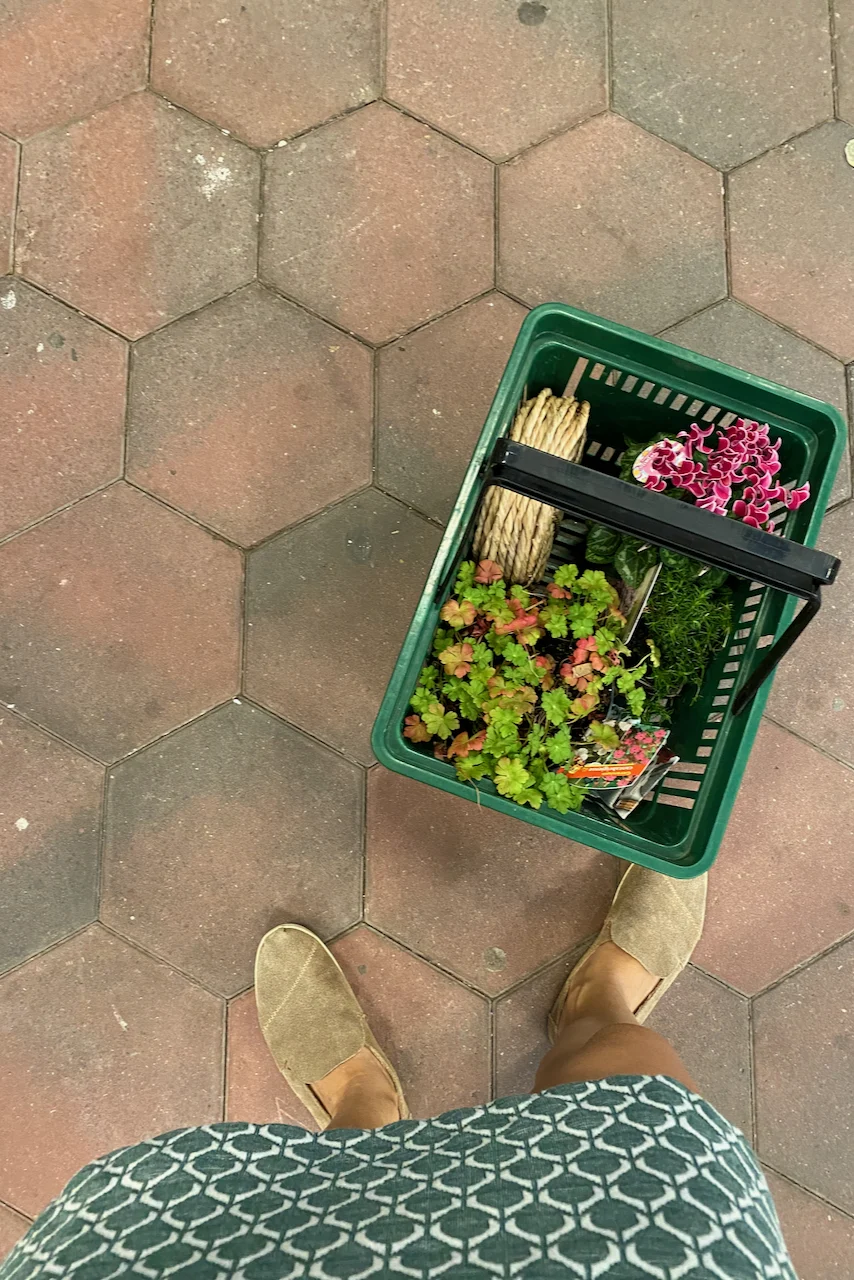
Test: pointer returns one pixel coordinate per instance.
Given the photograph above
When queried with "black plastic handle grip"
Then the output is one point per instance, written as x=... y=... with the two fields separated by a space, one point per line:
x=739 y=548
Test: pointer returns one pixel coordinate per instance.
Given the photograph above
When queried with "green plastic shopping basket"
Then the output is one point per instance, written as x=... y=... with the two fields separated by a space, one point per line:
x=638 y=386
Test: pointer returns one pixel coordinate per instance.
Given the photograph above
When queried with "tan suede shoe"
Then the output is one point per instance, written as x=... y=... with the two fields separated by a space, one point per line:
x=656 y=919
x=309 y=1015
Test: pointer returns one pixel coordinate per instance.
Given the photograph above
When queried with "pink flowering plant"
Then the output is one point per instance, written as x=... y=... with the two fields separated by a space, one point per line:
x=737 y=475
x=619 y=744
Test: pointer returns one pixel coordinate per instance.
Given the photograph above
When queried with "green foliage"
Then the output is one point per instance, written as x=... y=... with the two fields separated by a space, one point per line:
x=439 y=721
x=556 y=706
x=689 y=621
x=561 y=794
x=519 y=678
x=566 y=575
x=602 y=544
x=634 y=560
x=605 y=734
x=559 y=747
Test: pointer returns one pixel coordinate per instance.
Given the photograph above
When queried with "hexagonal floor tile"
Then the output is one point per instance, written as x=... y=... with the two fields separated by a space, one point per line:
x=377 y=222
x=327 y=608
x=61 y=62
x=735 y=334
x=768 y=909
x=435 y=389
x=708 y=1026
x=233 y=824
x=611 y=219
x=791 y=216
x=122 y=621
x=268 y=72
x=62 y=387
x=8 y=186
x=486 y=896
x=435 y=1031
x=497 y=76
x=250 y=414
x=721 y=81
x=813 y=692
x=255 y=1089
x=50 y=814
x=122 y=1048
x=158 y=214
x=804 y=1056
x=820 y=1239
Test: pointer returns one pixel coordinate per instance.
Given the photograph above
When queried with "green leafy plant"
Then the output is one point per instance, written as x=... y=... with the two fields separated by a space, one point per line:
x=517 y=676
x=688 y=620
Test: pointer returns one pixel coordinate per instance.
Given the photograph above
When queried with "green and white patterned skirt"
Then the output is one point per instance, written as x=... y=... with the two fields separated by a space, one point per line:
x=633 y=1176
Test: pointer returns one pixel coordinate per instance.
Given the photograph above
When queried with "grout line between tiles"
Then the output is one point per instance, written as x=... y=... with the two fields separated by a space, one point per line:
x=609 y=53
x=136 y=945
x=306 y=733
x=43 y=951
x=803 y=965
x=363 y=862
x=7 y=1204
x=816 y=746
x=496 y=225
x=17 y=713
x=382 y=69
x=102 y=841
x=834 y=60
x=66 y=506
x=802 y=1186
x=148 y=64
x=725 y=207
x=242 y=628
x=375 y=416
x=16 y=201
x=751 y=1081
x=161 y=738
x=223 y=1110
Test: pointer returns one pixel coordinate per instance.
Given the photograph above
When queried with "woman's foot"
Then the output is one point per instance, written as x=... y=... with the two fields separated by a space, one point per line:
x=358 y=1094
x=607 y=976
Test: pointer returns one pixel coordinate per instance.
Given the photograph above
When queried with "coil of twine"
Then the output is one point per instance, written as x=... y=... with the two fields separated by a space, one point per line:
x=518 y=532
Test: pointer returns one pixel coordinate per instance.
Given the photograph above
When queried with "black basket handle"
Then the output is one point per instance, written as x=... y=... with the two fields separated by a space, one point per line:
x=729 y=544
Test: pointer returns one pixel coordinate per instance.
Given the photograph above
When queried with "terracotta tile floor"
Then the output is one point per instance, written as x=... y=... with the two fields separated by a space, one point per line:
x=260 y=298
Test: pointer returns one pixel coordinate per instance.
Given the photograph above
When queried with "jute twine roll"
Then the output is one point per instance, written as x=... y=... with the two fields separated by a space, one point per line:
x=517 y=532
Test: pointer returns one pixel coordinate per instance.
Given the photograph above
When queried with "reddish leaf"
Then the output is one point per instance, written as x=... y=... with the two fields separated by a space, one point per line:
x=462 y=744
x=458 y=615
x=416 y=730
x=488 y=572
x=522 y=622
x=456 y=659
x=584 y=705
x=530 y=635
x=558 y=593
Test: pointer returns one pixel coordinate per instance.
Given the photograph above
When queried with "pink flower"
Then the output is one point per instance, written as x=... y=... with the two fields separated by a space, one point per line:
x=743 y=457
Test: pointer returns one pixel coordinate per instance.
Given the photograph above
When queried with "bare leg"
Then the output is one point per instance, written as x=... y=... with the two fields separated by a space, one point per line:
x=359 y=1094
x=599 y=1035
